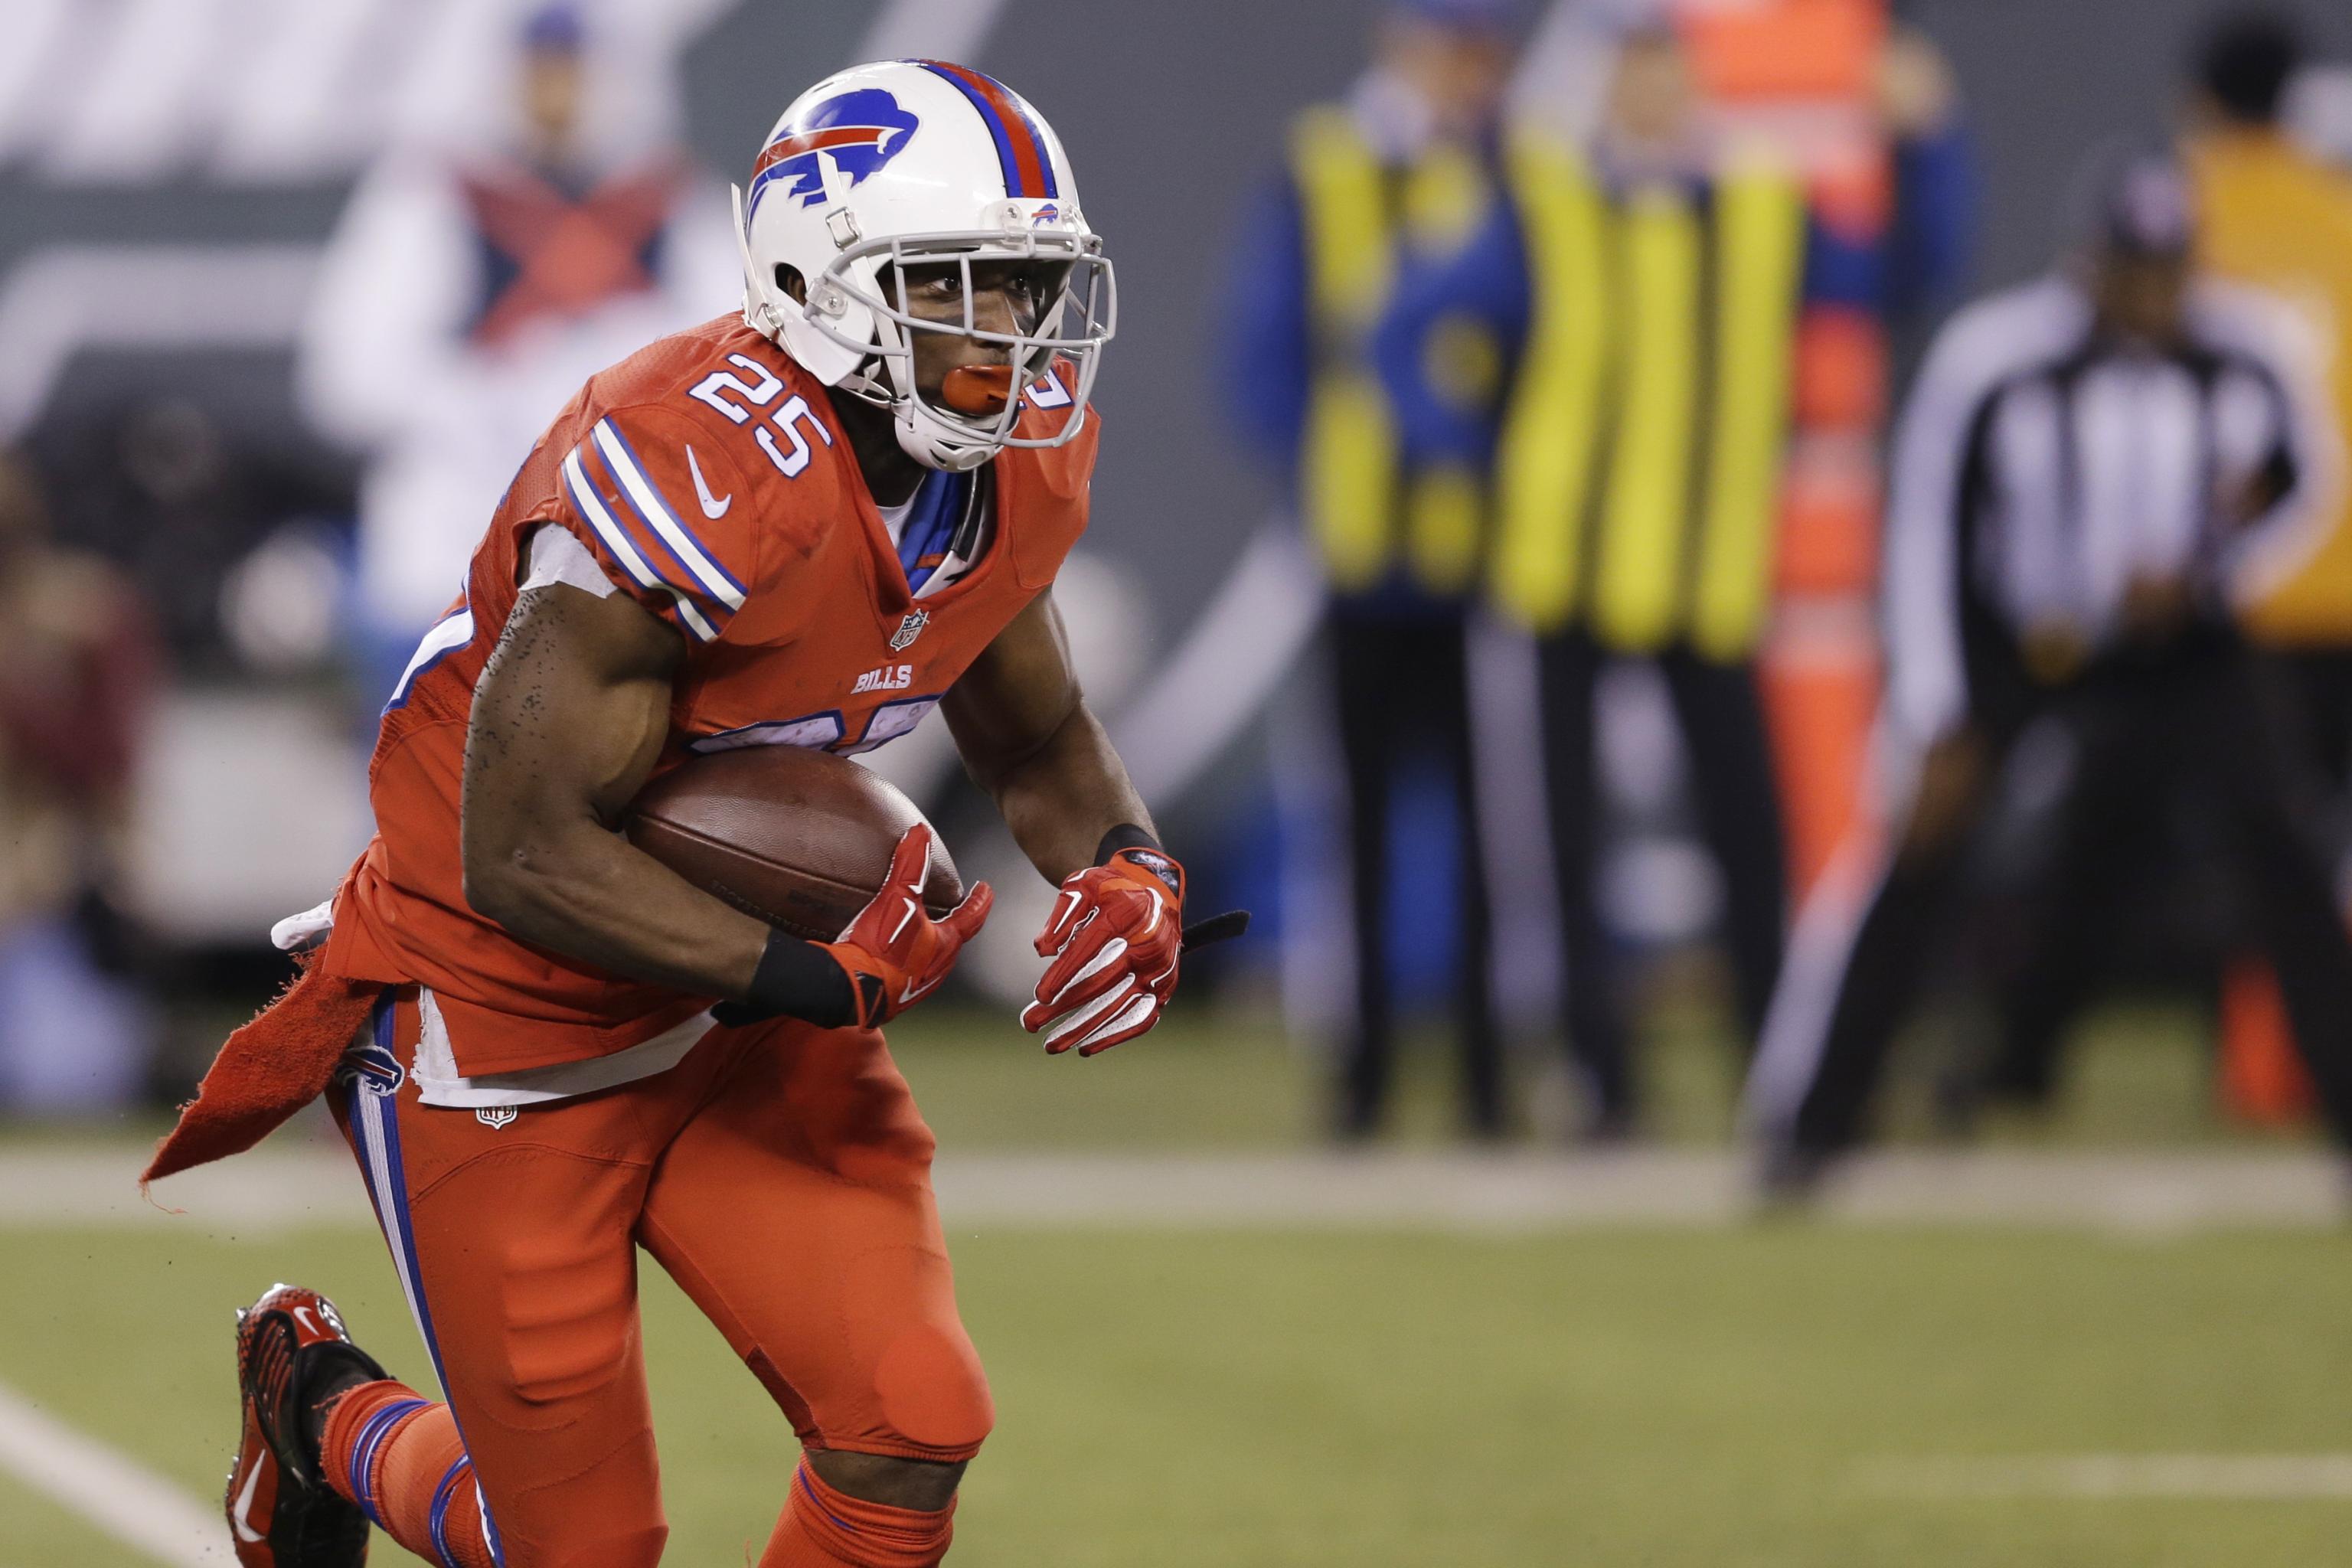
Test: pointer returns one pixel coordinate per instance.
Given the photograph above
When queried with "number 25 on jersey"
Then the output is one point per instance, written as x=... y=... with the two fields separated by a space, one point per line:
x=713 y=389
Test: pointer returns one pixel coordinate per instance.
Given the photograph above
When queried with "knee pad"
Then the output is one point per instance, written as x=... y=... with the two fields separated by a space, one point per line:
x=636 y=1549
x=931 y=1396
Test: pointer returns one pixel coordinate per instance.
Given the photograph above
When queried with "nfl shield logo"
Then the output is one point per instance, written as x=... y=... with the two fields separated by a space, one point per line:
x=909 y=629
x=496 y=1115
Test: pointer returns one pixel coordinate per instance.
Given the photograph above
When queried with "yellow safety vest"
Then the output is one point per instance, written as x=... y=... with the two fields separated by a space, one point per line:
x=1639 y=475
x=1361 y=509
x=2277 y=218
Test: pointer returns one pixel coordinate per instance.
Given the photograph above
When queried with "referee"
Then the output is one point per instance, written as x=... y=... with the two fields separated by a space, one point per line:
x=2093 y=470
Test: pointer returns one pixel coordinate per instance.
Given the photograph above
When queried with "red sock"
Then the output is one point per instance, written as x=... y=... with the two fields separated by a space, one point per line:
x=399 y=1458
x=823 y=1528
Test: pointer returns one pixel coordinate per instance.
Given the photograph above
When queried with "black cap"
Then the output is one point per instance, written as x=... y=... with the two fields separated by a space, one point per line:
x=2246 y=62
x=556 y=28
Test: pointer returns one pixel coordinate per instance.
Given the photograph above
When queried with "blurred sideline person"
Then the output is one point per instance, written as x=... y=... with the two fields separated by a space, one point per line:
x=466 y=293
x=1380 y=188
x=1648 y=293
x=1922 y=262
x=2276 y=218
x=2093 y=470
x=165 y=489
x=77 y=663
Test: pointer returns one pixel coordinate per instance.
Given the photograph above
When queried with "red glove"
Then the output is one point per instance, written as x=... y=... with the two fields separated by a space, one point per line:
x=894 y=953
x=1114 y=938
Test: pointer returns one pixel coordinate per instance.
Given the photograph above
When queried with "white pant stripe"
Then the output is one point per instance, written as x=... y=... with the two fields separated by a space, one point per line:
x=1821 y=947
x=391 y=1204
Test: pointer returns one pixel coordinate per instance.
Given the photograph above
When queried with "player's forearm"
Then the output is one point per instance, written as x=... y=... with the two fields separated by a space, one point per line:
x=565 y=729
x=588 y=894
x=1061 y=800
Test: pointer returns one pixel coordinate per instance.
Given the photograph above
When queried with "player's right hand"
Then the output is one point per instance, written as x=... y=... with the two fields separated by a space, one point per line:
x=1114 y=938
x=894 y=953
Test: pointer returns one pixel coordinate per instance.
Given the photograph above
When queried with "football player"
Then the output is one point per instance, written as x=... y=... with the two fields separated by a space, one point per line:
x=805 y=525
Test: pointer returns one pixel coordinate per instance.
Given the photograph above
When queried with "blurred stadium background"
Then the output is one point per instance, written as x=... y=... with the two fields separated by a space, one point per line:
x=243 y=373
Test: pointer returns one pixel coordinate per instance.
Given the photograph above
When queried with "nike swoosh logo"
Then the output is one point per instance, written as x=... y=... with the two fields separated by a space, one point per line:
x=245 y=1505
x=712 y=508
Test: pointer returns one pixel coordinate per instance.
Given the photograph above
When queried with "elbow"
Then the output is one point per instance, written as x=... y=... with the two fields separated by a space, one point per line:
x=490 y=887
x=1006 y=772
x=501 y=880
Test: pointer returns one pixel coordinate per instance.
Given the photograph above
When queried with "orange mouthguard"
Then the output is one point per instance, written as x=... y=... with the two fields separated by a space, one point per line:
x=978 y=388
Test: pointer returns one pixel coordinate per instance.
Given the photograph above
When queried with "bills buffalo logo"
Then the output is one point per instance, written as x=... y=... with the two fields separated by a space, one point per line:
x=1048 y=214
x=860 y=132
x=372 y=1069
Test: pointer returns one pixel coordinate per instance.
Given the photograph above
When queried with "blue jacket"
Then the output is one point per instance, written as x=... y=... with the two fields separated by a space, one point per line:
x=1265 y=363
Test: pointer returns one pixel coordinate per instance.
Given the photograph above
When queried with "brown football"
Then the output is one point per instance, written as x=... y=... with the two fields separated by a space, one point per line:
x=800 y=839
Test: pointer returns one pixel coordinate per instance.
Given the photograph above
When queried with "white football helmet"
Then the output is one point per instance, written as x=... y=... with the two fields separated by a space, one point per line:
x=913 y=164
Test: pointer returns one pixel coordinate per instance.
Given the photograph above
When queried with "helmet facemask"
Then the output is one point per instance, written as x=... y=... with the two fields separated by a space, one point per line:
x=870 y=284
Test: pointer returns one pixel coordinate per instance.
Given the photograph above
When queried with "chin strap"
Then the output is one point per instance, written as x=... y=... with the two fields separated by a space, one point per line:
x=759 y=313
x=943 y=452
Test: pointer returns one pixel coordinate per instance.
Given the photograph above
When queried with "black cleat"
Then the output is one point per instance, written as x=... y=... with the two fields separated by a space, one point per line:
x=292 y=1352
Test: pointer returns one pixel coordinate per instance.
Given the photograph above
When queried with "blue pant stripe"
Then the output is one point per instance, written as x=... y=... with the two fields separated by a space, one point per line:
x=364 y=1450
x=378 y=1117
x=442 y=1496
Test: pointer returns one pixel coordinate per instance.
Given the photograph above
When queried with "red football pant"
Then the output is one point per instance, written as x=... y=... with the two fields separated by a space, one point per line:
x=398 y=1458
x=781 y=1174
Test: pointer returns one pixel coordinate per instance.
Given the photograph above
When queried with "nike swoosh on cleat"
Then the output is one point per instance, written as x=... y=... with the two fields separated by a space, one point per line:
x=245 y=1502
x=712 y=508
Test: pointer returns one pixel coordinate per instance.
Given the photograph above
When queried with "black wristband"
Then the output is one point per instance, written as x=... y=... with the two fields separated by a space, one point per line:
x=1126 y=836
x=796 y=979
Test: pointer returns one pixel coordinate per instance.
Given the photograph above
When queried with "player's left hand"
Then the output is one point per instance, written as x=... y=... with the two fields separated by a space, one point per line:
x=1114 y=938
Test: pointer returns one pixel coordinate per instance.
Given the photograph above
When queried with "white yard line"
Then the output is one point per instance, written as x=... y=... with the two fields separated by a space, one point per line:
x=2230 y=1477
x=2137 y=1194
x=112 y=1491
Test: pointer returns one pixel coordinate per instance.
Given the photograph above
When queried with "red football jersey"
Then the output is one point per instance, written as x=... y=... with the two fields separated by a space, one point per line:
x=708 y=477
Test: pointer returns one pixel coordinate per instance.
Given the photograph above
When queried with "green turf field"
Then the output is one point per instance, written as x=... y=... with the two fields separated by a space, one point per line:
x=1653 y=1398
x=1598 y=1399
x=2138 y=1075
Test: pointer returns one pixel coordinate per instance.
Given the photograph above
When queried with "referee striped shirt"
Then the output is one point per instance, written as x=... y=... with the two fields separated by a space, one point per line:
x=2043 y=467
